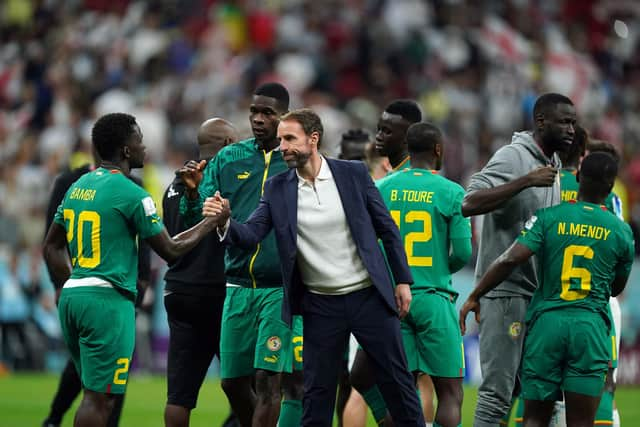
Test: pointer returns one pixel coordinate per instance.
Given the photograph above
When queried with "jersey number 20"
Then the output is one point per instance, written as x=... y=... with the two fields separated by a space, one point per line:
x=91 y=218
x=570 y=272
x=415 y=236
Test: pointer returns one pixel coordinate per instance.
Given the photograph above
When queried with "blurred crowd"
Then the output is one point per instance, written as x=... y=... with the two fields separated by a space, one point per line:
x=475 y=67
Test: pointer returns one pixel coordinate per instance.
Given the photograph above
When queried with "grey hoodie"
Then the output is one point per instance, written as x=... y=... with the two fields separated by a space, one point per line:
x=501 y=226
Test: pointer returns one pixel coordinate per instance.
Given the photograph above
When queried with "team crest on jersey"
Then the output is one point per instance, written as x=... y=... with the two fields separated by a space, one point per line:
x=529 y=224
x=274 y=343
x=149 y=206
x=515 y=329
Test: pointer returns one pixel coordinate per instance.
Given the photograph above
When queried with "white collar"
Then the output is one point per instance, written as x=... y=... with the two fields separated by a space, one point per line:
x=323 y=174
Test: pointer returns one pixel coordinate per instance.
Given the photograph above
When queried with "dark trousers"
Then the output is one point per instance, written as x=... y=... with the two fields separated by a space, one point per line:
x=328 y=320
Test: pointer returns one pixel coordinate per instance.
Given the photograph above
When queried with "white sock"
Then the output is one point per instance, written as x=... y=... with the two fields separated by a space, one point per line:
x=429 y=425
x=558 y=419
x=616 y=418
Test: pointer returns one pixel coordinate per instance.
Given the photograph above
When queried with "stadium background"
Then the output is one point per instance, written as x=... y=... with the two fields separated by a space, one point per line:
x=475 y=67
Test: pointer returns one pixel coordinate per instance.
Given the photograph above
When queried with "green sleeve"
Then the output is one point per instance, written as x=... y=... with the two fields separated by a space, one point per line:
x=145 y=215
x=59 y=215
x=459 y=234
x=191 y=210
x=532 y=236
x=459 y=226
x=459 y=254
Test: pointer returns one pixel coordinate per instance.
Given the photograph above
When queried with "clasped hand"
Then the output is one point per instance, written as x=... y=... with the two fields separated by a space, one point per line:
x=217 y=207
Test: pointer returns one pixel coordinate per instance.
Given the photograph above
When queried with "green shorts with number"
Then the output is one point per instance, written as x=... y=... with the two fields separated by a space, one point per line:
x=565 y=350
x=431 y=335
x=296 y=343
x=99 y=328
x=253 y=335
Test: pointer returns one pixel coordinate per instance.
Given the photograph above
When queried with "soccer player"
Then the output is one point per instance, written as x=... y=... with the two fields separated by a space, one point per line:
x=584 y=255
x=392 y=128
x=91 y=247
x=569 y=186
x=194 y=293
x=520 y=178
x=437 y=238
x=254 y=339
x=70 y=385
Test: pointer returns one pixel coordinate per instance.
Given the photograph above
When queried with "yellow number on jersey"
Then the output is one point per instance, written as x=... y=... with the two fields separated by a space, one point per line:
x=570 y=272
x=416 y=236
x=120 y=371
x=92 y=218
x=297 y=348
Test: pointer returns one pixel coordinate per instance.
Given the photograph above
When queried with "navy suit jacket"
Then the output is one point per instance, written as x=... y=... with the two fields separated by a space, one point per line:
x=368 y=220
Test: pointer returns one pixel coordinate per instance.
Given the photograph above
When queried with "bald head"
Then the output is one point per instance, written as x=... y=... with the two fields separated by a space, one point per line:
x=213 y=135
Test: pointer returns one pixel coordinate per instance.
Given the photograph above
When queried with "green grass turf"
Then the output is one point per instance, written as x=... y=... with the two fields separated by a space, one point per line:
x=25 y=400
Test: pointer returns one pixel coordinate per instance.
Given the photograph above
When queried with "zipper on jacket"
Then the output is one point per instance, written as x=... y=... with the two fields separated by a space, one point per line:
x=267 y=162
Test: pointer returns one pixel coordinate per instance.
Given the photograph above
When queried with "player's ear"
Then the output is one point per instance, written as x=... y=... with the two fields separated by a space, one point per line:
x=126 y=151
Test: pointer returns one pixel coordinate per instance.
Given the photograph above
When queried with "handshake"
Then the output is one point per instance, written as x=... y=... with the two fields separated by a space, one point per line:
x=217 y=208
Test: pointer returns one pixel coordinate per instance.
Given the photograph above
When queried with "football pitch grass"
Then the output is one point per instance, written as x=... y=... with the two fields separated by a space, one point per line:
x=25 y=400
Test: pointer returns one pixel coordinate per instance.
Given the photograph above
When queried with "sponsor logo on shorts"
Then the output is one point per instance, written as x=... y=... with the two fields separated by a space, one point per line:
x=271 y=359
x=244 y=175
x=274 y=343
x=515 y=329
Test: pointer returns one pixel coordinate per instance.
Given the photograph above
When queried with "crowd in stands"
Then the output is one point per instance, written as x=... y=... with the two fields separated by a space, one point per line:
x=475 y=67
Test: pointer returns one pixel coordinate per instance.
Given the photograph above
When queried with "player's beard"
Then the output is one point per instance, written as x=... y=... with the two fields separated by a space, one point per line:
x=298 y=160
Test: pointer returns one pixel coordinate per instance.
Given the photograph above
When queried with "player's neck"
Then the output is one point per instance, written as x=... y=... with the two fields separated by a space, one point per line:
x=591 y=198
x=122 y=167
x=269 y=145
x=422 y=163
x=398 y=159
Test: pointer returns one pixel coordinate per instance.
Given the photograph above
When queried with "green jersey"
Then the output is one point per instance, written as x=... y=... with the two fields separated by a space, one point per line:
x=239 y=172
x=427 y=209
x=104 y=213
x=581 y=248
x=569 y=189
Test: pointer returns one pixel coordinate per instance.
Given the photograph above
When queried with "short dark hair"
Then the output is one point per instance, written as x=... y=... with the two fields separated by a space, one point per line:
x=599 y=167
x=596 y=145
x=405 y=108
x=422 y=137
x=549 y=101
x=111 y=132
x=275 y=91
x=308 y=119
x=356 y=135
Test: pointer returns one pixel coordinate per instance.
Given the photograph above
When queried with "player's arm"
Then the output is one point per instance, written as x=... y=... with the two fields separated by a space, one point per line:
x=231 y=232
x=459 y=253
x=56 y=254
x=171 y=248
x=498 y=271
x=198 y=180
x=485 y=200
x=618 y=285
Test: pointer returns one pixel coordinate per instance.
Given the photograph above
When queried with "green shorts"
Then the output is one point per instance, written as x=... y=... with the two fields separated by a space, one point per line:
x=296 y=343
x=99 y=328
x=253 y=335
x=565 y=350
x=431 y=336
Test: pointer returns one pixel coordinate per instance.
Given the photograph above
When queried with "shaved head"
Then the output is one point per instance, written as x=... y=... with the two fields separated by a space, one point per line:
x=213 y=135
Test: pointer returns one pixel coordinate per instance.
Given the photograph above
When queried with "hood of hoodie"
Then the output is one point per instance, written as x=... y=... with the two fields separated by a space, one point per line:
x=525 y=139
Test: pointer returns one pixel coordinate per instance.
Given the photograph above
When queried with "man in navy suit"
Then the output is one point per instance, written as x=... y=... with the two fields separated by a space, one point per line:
x=328 y=215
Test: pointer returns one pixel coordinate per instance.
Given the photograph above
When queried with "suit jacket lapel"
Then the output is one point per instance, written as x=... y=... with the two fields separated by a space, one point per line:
x=343 y=183
x=291 y=202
